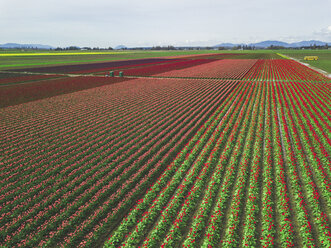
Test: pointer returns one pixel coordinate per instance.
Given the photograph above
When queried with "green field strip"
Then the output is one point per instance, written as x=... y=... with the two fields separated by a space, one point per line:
x=282 y=55
x=57 y=54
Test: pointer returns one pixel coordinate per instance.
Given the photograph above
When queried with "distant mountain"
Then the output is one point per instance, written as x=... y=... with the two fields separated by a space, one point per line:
x=268 y=43
x=228 y=45
x=25 y=46
x=120 y=47
x=309 y=43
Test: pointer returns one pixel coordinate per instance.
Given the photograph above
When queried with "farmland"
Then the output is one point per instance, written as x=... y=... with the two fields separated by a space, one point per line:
x=187 y=149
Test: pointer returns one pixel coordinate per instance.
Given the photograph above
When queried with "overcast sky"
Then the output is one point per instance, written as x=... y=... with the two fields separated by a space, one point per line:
x=106 y=23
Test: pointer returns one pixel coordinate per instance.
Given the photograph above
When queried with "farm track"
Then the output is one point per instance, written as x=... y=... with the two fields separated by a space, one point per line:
x=224 y=158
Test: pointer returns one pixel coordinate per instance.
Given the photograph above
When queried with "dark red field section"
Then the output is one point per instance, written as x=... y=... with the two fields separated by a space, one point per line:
x=155 y=69
x=13 y=78
x=46 y=86
x=91 y=66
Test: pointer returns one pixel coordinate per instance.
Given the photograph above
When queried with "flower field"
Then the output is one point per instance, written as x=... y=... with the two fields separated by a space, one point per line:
x=199 y=151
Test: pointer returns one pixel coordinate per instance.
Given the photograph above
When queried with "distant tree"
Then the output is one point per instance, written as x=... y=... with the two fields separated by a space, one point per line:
x=110 y=48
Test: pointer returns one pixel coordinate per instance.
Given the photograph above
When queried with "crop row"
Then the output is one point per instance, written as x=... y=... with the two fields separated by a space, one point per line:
x=225 y=69
x=283 y=69
x=83 y=167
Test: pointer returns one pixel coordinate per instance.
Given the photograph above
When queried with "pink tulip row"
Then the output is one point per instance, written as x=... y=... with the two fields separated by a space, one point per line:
x=225 y=69
x=139 y=64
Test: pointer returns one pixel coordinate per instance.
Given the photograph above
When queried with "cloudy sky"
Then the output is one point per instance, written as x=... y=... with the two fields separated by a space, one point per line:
x=106 y=23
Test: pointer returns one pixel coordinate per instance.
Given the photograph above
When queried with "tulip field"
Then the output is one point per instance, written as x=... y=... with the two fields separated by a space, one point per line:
x=221 y=150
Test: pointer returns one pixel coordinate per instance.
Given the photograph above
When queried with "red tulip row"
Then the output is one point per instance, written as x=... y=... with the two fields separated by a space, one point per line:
x=252 y=208
x=268 y=195
x=295 y=188
x=233 y=232
x=215 y=221
x=306 y=177
x=283 y=69
x=318 y=154
x=225 y=69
